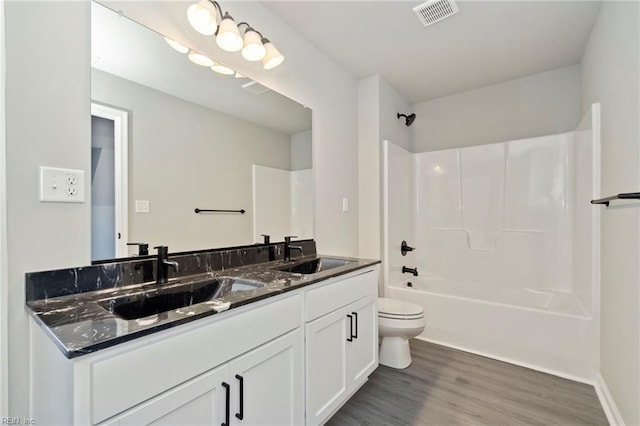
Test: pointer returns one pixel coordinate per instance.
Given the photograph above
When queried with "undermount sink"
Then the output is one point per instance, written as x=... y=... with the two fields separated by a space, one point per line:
x=176 y=296
x=316 y=265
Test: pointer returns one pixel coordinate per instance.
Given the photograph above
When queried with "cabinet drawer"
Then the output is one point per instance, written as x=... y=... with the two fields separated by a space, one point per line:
x=122 y=381
x=328 y=298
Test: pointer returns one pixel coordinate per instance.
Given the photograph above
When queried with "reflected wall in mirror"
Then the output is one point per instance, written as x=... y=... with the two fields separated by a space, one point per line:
x=196 y=139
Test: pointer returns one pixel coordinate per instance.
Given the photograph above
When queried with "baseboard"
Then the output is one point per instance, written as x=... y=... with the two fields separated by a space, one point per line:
x=512 y=361
x=608 y=404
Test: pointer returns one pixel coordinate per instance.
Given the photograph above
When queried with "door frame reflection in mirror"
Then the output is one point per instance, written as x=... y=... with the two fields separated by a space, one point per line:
x=120 y=120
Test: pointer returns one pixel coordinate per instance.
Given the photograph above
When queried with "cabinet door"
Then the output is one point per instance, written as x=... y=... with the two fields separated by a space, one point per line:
x=363 y=351
x=326 y=365
x=268 y=383
x=200 y=401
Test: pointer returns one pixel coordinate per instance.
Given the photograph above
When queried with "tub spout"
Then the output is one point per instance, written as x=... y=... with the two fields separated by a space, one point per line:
x=413 y=271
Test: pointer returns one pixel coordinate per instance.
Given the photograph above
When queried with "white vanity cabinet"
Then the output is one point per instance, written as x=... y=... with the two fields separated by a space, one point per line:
x=179 y=373
x=262 y=387
x=341 y=342
x=291 y=359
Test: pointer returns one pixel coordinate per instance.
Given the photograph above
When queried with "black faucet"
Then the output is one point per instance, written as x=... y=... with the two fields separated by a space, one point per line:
x=266 y=239
x=288 y=247
x=413 y=271
x=163 y=264
x=143 y=248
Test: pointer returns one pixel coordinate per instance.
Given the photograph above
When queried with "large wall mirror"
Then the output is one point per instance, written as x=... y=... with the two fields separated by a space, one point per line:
x=170 y=136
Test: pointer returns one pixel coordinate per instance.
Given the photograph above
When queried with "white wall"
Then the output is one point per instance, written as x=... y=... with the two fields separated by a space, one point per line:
x=302 y=150
x=369 y=167
x=282 y=203
x=399 y=202
x=308 y=77
x=301 y=183
x=392 y=128
x=610 y=70
x=536 y=105
x=3 y=231
x=378 y=104
x=47 y=123
x=183 y=156
x=271 y=203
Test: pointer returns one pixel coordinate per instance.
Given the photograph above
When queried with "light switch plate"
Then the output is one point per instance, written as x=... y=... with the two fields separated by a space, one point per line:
x=142 y=206
x=345 y=204
x=61 y=185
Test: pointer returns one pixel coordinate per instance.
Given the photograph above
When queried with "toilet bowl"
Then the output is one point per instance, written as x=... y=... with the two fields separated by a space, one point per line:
x=398 y=321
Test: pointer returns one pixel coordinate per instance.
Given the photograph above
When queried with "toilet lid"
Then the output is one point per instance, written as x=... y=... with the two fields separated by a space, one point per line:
x=398 y=308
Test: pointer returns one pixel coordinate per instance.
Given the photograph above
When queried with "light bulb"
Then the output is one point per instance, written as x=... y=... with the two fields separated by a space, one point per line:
x=273 y=57
x=228 y=37
x=219 y=68
x=253 y=49
x=199 y=59
x=202 y=17
x=179 y=47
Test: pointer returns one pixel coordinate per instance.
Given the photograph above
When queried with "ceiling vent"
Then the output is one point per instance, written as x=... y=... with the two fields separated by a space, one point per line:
x=255 y=87
x=435 y=11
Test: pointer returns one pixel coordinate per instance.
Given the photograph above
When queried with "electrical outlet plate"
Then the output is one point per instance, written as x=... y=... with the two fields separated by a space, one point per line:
x=61 y=185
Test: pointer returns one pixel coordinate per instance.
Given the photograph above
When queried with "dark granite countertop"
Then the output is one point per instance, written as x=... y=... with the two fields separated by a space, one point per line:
x=84 y=322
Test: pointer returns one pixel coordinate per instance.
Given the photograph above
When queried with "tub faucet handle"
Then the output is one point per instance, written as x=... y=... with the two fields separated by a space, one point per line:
x=404 y=248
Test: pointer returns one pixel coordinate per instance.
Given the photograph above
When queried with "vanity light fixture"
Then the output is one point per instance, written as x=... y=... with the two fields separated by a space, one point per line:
x=200 y=59
x=253 y=49
x=177 y=46
x=228 y=35
x=203 y=17
x=273 y=57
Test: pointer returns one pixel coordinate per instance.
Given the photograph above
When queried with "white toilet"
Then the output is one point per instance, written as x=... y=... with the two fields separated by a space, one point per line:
x=398 y=321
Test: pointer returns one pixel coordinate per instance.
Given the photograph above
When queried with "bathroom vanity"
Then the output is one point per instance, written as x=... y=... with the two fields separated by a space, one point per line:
x=291 y=351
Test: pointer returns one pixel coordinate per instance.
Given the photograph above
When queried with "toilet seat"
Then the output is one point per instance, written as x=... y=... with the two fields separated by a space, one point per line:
x=400 y=317
x=398 y=309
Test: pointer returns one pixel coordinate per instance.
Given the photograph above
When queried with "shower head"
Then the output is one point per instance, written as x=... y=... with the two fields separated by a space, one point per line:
x=409 y=119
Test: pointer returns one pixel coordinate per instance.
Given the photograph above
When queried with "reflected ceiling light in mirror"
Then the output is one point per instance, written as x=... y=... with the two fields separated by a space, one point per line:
x=253 y=49
x=177 y=46
x=200 y=59
x=221 y=69
x=273 y=57
x=202 y=17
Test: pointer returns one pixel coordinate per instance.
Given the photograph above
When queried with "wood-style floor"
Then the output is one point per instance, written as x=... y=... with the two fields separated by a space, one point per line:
x=444 y=386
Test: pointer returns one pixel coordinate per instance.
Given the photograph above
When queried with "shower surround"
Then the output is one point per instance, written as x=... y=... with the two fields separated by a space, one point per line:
x=507 y=246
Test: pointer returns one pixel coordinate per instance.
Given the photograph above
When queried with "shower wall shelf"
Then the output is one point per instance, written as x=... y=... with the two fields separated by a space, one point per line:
x=624 y=196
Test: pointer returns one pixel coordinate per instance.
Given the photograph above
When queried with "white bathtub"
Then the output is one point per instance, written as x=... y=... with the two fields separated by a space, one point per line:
x=543 y=330
x=558 y=302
